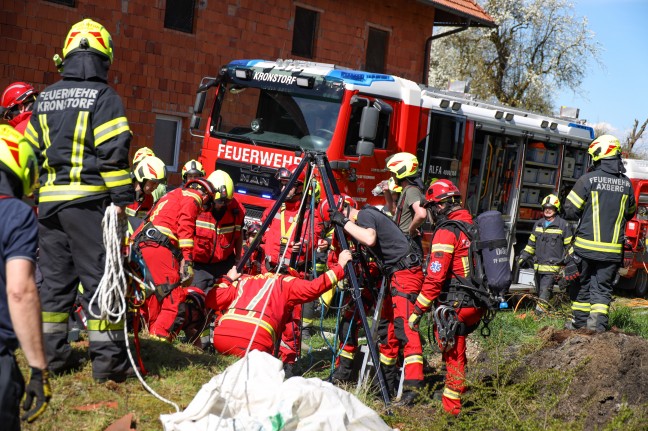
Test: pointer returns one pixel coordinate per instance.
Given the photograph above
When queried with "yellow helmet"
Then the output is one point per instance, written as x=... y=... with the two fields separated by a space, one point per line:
x=403 y=165
x=88 y=35
x=223 y=185
x=17 y=159
x=151 y=168
x=391 y=185
x=141 y=153
x=551 y=201
x=192 y=167
x=603 y=147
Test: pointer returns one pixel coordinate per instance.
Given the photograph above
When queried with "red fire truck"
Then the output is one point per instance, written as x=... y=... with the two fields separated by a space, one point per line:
x=263 y=112
x=634 y=272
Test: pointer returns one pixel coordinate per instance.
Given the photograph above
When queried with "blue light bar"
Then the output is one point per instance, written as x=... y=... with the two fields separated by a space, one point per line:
x=241 y=191
x=267 y=196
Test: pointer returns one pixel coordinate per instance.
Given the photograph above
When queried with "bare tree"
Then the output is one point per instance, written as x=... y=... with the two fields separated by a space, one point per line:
x=634 y=135
x=538 y=48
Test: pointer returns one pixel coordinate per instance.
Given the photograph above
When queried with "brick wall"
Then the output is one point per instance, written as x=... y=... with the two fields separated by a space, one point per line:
x=157 y=70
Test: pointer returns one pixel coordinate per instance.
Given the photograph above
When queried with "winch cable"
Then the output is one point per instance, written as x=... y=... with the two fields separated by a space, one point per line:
x=111 y=292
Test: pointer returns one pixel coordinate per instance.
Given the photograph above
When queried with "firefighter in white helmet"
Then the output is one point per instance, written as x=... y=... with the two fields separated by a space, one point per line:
x=603 y=200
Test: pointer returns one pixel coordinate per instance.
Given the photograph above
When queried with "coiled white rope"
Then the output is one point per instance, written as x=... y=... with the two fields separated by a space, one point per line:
x=111 y=292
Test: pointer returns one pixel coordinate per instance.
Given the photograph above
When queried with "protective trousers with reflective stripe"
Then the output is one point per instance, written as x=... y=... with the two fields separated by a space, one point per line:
x=544 y=285
x=596 y=291
x=407 y=281
x=455 y=359
x=165 y=318
x=72 y=251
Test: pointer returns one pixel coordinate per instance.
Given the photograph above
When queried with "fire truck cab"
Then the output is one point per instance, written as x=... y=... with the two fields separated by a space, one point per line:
x=265 y=114
x=634 y=272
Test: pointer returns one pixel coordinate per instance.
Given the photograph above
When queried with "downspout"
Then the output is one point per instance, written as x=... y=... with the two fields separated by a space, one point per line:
x=428 y=44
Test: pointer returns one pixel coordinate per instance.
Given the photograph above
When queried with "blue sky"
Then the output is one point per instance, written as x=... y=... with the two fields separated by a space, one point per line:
x=617 y=92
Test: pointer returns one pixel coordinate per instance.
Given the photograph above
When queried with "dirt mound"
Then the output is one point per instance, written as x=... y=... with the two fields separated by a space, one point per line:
x=607 y=371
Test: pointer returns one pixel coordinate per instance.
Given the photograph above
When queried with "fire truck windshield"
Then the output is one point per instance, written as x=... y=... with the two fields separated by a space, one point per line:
x=275 y=117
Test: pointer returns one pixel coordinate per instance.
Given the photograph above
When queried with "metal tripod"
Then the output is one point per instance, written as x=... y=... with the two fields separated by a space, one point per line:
x=330 y=188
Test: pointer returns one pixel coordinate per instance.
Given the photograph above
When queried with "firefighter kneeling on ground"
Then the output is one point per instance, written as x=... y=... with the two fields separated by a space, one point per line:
x=148 y=175
x=457 y=311
x=165 y=242
x=549 y=240
x=257 y=308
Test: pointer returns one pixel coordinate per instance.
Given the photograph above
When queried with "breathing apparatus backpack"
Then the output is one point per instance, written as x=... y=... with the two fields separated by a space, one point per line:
x=491 y=274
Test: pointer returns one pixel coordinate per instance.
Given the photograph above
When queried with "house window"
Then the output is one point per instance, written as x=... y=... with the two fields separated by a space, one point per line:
x=166 y=144
x=179 y=15
x=64 y=2
x=376 y=50
x=303 y=43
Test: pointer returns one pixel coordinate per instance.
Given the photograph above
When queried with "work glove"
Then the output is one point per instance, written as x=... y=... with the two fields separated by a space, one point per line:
x=337 y=217
x=571 y=271
x=187 y=273
x=37 y=388
x=413 y=321
x=523 y=260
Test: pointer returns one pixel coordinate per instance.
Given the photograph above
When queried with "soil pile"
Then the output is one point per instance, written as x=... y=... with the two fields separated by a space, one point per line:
x=607 y=370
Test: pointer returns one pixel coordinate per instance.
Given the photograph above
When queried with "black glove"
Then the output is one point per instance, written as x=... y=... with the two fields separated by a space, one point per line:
x=571 y=271
x=38 y=387
x=523 y=260
x=337 y=217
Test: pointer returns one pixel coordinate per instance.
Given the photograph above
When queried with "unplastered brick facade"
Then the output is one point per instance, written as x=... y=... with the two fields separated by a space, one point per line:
x=157 y=70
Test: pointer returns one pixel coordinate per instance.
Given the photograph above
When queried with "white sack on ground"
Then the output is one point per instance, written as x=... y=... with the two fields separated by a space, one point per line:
x=260 y=400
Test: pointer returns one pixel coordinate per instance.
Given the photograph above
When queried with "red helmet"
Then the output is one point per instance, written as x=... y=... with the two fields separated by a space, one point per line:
x=441 y=190
x=286 y=172
x=13 y=97
x=253 y=229
x=342 y=201
x=205 y=187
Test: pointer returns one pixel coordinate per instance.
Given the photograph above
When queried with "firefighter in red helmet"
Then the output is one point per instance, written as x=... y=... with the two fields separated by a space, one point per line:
x=17 y=102
x=448 y=271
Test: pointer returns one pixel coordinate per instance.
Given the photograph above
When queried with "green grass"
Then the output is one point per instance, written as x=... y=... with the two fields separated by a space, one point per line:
x=504 y=395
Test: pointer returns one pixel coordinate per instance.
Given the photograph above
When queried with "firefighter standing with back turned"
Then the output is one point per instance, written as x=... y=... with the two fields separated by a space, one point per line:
x=80 y=129
x=20 y=318
x=449 y=270
x=603 y=200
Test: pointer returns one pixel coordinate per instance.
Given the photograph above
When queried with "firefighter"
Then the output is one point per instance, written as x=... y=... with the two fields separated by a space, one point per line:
x=20 y=320
x=409 y=215
x=17 y=102
x=281 y=234
x=400 y=263
x=165 y=242
x=550 y=238
x=218 y=242
x=277 y=295
x=602 y=200
x=256 y=263
x=447 y=274
x=192 y=169
x=149 y=174
x=140 y=154
x=80 y=129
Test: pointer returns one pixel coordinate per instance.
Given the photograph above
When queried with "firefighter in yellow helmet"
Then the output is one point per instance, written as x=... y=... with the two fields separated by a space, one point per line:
x=550 y=238
x=19 y=302
x=602 y=200
x=148 y=175
x=81 y=122
x=408 y=212
x=191 y=170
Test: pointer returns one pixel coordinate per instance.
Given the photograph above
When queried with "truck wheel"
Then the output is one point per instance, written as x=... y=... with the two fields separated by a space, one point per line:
x=641 y=283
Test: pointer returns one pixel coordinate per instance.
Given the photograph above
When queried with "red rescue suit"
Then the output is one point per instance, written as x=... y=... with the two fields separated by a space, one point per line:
x=140 y=207
x=277 y=236
x=216 y=240
x=244 y=300
x=449 y=257
x=174 y=217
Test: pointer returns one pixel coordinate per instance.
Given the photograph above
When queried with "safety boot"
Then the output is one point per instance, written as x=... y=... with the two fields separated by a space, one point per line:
x=343 y=372
x=597 y=322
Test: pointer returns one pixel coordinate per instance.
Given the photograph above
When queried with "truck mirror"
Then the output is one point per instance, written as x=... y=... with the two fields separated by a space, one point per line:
x=195 y=122
x=199 y=104
x=368 y=123
x=365 y=148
